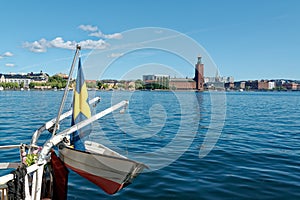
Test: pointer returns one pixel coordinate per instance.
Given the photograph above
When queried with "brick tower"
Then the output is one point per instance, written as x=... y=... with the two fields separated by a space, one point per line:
x=199 y=75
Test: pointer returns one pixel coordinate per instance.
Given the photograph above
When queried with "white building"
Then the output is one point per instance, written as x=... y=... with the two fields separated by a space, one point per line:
x=26 y=79
x=224 y=79
x=155 y=77
x=15 y=78
x=2 y=78
x=271 y=85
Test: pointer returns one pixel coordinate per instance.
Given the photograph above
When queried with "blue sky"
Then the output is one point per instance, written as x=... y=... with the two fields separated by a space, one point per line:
x=250 y=39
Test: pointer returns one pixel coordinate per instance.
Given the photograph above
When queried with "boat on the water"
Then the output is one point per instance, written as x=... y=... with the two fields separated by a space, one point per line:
x=40 y=173
x=103 y=167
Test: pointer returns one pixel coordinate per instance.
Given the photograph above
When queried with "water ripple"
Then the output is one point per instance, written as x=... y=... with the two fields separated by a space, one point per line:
x=256 y=157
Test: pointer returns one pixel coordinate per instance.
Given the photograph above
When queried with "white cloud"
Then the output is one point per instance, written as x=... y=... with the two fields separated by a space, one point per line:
x=89 y=28
x=114 y=36
x=37 y=46
x=60 y=43
x=10 y=65
x=99 y=34
x=93 y=44
x=42 y=45
x=7 y=54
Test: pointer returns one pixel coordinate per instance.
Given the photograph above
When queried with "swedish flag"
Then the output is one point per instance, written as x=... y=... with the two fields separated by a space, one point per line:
x=81 y=110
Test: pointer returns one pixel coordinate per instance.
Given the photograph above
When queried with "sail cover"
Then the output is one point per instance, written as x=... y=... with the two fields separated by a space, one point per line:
x=81 y=110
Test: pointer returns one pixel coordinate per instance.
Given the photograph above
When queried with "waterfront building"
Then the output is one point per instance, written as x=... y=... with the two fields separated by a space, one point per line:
x=125 y=85
x=217 y=85
x=24 y=79
x=129 y=85
x=155 y=77
x=2 y=78
x=266 y=85
x=251 y=85
x=199 y=74
x=38 y=77
x=196 y=83
x=162 y=81
x=15 y=78
x=272 y=85
x=165 y=82
x=226 y=79
x=64 y=76
x=229 y=86
x=229 y=79
x=291 y=86
x=221 y=83
x=182 y=84
x=279 y=83
x=110 y=84
x=242 y=85
x=238 y=85
x=263 y=85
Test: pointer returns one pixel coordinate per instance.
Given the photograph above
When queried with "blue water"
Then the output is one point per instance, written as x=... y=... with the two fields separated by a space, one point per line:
x=256 y=156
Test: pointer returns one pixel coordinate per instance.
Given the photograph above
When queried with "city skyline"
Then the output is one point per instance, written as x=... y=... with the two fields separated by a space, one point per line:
x=224 y=79
x=247 y=40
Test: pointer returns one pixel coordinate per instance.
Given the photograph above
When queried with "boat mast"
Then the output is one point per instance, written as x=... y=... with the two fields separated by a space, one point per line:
x=78 y=48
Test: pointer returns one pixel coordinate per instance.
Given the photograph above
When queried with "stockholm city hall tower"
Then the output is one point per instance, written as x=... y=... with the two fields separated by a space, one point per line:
x=199 y=75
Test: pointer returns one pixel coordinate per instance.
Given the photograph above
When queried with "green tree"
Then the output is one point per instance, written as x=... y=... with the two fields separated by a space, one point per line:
x=105 y=86
x=139 y=84
x=21 y=85
x=121 y=85
x=91 y=85
x=59 y=85
x=31 y=85
x=56 y=81
x=99 y=84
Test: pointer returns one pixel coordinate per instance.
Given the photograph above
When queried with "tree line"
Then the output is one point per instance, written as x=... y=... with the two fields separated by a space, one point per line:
x=53 y=81
x=58 y=82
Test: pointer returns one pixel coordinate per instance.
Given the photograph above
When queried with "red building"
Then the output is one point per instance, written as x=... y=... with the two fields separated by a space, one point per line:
x=190 y=84
x=199 y=75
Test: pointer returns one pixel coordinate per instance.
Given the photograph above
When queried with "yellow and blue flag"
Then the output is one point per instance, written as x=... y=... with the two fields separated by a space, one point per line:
x=81 y=110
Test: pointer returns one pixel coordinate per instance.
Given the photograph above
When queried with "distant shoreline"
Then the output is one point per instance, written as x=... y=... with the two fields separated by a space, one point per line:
x=160 y=90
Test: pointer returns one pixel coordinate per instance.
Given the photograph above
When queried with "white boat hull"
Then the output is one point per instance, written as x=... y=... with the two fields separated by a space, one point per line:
x=111 y=173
